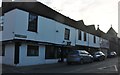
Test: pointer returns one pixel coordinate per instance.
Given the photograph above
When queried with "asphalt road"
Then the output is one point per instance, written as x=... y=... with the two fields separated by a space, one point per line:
x=107 y=66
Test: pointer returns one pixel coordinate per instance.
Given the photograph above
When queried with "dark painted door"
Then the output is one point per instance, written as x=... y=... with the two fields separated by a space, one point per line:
x=16 y=54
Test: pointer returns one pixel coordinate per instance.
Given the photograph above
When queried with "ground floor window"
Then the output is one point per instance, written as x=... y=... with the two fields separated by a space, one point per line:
x=32 y=50
x=55 y=52
x=52 y=52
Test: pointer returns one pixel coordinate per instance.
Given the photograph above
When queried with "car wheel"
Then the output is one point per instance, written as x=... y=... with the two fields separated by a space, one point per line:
x=81 y=61
x=69 y=63
x=100 y=59
x=91 y=61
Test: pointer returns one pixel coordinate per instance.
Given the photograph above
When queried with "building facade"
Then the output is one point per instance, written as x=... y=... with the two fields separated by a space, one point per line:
x=31 y=35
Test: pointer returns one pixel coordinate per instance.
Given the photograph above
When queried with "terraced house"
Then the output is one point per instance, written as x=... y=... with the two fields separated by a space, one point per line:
x=33 y=33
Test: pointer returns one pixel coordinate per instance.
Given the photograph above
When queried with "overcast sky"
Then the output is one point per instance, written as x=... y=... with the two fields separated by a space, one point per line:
x=102 y=12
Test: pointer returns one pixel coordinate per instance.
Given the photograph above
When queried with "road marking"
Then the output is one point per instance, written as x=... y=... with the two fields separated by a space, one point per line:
x=115 y=68
x=107 y=67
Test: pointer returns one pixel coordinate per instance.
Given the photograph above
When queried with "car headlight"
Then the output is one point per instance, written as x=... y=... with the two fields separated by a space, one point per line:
x=97 y=55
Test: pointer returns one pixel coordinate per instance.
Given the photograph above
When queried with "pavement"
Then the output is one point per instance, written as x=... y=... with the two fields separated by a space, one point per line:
x=107 y=66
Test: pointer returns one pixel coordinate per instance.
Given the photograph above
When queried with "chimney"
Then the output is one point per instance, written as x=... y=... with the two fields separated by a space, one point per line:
x=97 y=27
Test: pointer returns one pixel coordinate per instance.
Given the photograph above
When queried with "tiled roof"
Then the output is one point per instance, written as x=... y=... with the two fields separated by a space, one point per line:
x=43 y=10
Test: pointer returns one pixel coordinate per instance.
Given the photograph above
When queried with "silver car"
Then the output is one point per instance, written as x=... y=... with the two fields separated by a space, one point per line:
x=79 y=56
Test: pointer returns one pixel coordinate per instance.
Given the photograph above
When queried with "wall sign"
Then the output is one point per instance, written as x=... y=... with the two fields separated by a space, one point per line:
x=20 y=36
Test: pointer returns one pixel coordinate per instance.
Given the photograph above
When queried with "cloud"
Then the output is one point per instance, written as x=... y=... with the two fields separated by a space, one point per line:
x=102 y=12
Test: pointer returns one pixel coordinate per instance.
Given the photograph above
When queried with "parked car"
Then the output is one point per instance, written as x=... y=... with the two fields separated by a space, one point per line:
x=79 y=56
x=99 y=56
x=112 y=54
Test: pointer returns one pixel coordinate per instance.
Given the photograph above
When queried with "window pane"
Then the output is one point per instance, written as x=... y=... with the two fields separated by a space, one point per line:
x=85 y=36
x=52 y=52
x=32 y=50
x=32 y=23
x=94 y=39
x=67 y=34
x=3 y=50
x=79 y=35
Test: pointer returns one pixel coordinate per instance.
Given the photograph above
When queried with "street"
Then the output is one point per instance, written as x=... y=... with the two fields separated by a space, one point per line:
x=109 y=65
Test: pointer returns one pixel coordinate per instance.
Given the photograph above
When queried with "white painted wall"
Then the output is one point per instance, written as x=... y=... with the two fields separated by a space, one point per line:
x=1 y=20
x=31 y=60
x=9 y=22
x=81 y=42
x=1 y=35
x=46 y=29
x=9 y=54
x=91 y=41
x=17 y=21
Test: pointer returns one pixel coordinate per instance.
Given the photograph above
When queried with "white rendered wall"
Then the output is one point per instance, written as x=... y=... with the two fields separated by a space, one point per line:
x=9 y=54
x=1 y=32
x=81 y=42
x=17 y=22
x=9 y=22
x=31 y=60
x=91 y=41
x=46 y=29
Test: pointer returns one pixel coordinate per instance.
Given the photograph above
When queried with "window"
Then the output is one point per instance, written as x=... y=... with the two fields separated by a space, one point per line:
x=32 y=26
x=79 y=35
x=32 y=50
x=1 y=24
x=52 y=52
x=67 y=34
x=3 y=50
x=1 y=28
x=94 y=39
x=85 y=36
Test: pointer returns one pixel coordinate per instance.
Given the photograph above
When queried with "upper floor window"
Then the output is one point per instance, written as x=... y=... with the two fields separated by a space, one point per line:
x=32 y=26
x=1 y=28
x=67 y=34
x=1 y=23
x=94 y=39
x=85 y=36
x=79 y=35
x=32 y=50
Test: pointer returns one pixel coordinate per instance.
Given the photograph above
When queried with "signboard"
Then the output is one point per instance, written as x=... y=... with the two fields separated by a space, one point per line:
x=20 y=36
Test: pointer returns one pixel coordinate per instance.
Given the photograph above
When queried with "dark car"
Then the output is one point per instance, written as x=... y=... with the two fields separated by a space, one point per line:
x=112 y=54
x=79 y=56
x=99 y=56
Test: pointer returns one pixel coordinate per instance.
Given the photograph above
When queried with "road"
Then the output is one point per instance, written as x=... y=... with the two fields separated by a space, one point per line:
x=107 y=66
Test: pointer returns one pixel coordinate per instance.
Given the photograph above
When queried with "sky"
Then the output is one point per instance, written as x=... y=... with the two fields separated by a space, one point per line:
x=98 y=12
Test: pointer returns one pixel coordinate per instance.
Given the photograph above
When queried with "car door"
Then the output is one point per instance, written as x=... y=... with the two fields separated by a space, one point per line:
x=85 y=57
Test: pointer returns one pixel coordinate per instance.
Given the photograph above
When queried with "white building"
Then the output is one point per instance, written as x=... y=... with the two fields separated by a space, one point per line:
x=33 y=33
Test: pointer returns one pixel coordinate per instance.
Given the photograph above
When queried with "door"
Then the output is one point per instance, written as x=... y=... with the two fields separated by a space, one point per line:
x=16 y=53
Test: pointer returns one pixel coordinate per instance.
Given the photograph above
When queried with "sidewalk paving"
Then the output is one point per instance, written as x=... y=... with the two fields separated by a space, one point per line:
x=27 y=69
